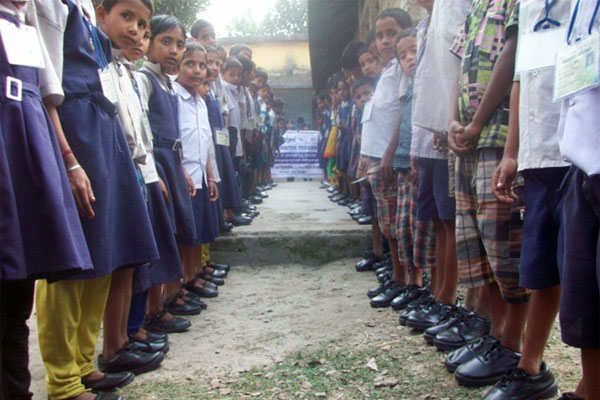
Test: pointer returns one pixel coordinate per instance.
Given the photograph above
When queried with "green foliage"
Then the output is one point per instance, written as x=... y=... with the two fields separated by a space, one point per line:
x=287 y=18
x=184 y=10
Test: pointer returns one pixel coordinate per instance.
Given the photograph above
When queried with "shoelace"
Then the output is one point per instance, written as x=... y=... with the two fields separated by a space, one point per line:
x=513 y=374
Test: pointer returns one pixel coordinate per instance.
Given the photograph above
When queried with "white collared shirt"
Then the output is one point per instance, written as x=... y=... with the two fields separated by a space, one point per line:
x=378 y=129
x=196 y=135
x=538 y=115
x=579 y=140
x=436 y=73
x=232 y=96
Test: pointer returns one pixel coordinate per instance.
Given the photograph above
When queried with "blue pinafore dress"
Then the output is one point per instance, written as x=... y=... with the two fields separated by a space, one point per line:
x=229 y=190
x=120 y=234
x=40 y=232
x=344 y=139
x=163 y=117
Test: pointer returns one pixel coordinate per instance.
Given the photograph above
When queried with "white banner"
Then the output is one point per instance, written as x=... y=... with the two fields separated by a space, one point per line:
x=298 y=158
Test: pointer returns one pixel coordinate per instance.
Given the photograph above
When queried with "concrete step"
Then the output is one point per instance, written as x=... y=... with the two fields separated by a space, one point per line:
x=297 y=224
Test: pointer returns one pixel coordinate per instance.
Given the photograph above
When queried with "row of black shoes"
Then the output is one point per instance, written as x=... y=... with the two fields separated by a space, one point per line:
x=354 y=206
x=143 y=355
x=476 y=358
x=248 y=210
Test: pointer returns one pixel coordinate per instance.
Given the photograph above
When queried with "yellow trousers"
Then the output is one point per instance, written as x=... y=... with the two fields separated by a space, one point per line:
x=205 y=254
x=69 y=317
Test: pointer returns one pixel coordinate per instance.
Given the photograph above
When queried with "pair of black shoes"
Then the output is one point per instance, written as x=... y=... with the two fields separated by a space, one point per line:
x=459 y=328
x=371 y=262
x=155 y=323
x=130 y=359
x=240 y=220
x=189 y=304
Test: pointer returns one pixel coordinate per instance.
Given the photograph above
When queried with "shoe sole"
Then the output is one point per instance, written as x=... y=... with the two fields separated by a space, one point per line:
x=149 y=367
x=451 y=367
x=448 y=346
x=184 y=313
x=418 y=326
x=161 y=330
x=114 y=388
x=428 y=337
x=379 y=305
x=476 y=382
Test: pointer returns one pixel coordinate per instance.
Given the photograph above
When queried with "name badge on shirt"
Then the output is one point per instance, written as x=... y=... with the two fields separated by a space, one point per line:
x=108 y=84
x=577 y=66
x=223 y=137
x=22 y=45
x=537 y=50
x=367 y=111
x=251 y=123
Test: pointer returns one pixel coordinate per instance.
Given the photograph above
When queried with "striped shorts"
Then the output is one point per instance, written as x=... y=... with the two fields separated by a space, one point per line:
x=488 y=233
x=416 y=238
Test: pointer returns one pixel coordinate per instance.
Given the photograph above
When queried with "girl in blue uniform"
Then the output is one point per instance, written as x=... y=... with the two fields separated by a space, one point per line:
x=167 y=43
x=113 y=213
x=40 y=233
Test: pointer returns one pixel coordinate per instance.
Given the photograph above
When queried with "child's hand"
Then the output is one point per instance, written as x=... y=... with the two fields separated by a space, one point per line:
x=503 y=179
x=163 y=189
x=440 y=142
x=190 y=183
x=455 y=129
x=470 y=134
x=414 y=169
x=213 y=190
x=82 y=192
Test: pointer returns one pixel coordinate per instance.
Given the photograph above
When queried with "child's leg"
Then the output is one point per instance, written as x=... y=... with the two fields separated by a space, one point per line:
x=449 y=284
x=137 y=312
x=16 y=303
x=115 y=310
x=69 y=315
x=403 y=226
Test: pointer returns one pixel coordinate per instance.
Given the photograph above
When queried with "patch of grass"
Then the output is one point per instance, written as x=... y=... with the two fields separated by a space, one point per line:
x=328 y=371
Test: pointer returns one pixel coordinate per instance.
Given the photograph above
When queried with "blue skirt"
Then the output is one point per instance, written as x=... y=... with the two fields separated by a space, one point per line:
x=344 y=151
x=229 y=190
x=180 y=200
x=120 y=234
x=40 y=232
x=168 y=268
x=205 y=218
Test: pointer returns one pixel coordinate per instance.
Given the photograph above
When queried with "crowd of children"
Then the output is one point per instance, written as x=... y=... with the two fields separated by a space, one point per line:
x=470 y=172
x=127 y=146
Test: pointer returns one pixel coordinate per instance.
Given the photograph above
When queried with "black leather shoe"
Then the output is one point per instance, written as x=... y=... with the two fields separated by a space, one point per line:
x=204 y=291
x=386 y=275
x=238 y=220
x=385 y=298
x=224 y=267
x=519 y=385
x=429 y=317
x=157 y=337
x=366 y=264
x=209 y=285
x=470 y=328
x=155 y=323
x=131 y=360
x=213 y=279
x=147 y=347
x=412 y=293
x=337 y=198
x=331 y=189
x=451 y=320
x=187 y=308
x=382 y=270
x=344 y=201
x=226 y=227
x=109 y=382
x=386 y=261
x=487 y=368
x=216 y=273
x=379 y=289
x=468 y=352
x=256 y=200
x=415 y=306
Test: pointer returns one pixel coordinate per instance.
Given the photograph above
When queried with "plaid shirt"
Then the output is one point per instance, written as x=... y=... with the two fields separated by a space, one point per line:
x=479 y=45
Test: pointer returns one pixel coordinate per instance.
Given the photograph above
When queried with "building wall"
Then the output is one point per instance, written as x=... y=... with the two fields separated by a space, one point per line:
x=370 y=8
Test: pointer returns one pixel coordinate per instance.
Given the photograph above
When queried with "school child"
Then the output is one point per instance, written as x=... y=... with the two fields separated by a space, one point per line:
x=204 y=33
x=488 y=232
x=369 y=63
x=324 y=111
x=532 y=149
x=262 y=103
x=115 y=221
x=116 y=355
x=41 y=234
x=380 y=119
x=231 y=72
x=415 y=240
x=580 y=284
x=349 y=62
x=261 y=77
x=196 y=144
x=229 y=191
x=344 y=143
x=240 y=49
x=149 y=279
x=330 y=148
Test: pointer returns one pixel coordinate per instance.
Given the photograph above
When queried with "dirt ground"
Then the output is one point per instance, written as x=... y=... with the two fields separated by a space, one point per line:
x=264 y=314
